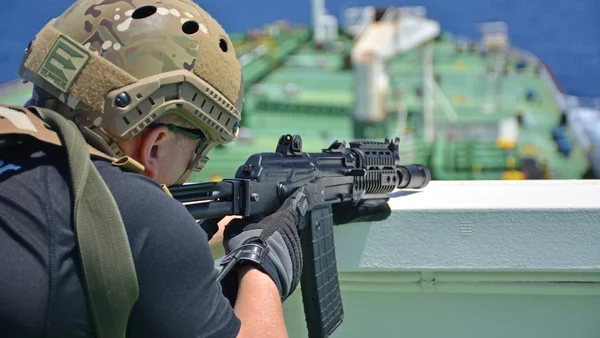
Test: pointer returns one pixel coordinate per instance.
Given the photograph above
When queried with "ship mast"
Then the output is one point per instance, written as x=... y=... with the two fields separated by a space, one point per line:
x=325 y=27
x=428 y=86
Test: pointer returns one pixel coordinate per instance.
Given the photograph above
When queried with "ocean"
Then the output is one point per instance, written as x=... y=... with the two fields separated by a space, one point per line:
x=564 y=33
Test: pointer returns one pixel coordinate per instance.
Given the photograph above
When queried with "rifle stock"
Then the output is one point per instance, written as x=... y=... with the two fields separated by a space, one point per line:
x=365 y=170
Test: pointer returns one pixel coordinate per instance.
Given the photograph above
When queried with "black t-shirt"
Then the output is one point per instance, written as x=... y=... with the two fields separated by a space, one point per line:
x=41 y=287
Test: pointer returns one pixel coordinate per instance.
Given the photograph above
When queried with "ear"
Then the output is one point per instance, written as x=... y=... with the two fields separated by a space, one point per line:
x=152 y=148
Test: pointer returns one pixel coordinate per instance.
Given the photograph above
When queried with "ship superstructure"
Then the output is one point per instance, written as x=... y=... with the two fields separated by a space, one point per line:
x=470 y=109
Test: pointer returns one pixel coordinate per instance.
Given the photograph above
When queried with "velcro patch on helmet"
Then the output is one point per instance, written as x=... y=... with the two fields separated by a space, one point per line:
x=70 y=72
x=64 y=63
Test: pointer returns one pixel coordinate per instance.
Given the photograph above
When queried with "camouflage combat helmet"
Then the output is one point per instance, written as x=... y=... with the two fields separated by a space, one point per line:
x=121 y=64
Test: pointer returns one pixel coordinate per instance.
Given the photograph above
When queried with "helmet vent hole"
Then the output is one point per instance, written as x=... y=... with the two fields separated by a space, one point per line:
x=143 y=12
x=190 y=27
x=223 y=45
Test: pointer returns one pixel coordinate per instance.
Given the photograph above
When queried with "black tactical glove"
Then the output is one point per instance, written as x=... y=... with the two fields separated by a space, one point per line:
x=210 y=226
x=278 y=232
x=365 y=211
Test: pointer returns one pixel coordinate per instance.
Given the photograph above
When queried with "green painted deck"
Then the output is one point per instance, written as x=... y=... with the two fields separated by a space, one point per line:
x=319 y=81
x=478 y=101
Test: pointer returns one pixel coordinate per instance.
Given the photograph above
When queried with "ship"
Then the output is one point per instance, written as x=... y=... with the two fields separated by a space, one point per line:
x=469 y=109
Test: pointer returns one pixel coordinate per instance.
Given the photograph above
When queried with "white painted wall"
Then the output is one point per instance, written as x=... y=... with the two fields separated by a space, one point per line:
x=473 y=259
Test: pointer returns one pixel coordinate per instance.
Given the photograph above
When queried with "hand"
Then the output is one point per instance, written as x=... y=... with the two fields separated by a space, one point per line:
x=365 y=211
x=210 y=226
x=279 y=233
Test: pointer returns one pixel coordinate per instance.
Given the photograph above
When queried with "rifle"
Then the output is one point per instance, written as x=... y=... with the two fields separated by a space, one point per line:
x=364 y=171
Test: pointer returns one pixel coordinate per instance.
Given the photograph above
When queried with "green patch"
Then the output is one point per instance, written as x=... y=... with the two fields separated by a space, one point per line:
x=64 y=63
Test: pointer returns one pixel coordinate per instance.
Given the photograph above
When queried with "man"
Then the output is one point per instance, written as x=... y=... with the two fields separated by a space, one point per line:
x=155 y=85
x=158 y=82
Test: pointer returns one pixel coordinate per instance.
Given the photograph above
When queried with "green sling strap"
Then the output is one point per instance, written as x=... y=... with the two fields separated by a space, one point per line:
x=108 y=268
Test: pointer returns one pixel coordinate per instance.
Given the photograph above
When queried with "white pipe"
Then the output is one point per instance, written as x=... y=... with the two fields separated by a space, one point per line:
x=443 y=100
x=427 y=92
x=527 y=288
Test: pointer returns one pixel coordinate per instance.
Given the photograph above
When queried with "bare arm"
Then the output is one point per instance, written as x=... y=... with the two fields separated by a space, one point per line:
x=260 y=294
x=258 y=306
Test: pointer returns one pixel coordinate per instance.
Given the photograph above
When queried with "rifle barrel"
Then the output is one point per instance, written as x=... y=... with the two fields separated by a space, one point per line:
x=206 y=210
x=197 y=192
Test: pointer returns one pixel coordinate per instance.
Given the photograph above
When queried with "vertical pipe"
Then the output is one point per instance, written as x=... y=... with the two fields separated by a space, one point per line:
x=429 y=131
x=318 y=11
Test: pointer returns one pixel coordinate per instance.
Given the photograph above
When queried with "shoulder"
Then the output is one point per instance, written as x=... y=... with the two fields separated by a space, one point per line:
x=174 y=264
x=141 y=200
x=151 y=216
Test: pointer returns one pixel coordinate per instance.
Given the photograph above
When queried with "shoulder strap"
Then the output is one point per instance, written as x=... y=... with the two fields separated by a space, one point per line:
x=108 y=268
x=20 y=121
x=16 y=120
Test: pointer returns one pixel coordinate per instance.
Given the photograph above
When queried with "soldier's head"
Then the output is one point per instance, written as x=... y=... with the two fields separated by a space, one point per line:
x=155 y=80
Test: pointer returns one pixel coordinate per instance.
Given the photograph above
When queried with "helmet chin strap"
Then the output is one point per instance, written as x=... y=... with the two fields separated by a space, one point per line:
x=99 y=142
x=184 y=177
x=190 y=169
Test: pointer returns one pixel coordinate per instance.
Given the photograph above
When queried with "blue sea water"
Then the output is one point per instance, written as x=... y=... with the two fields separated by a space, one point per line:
x=564 y=33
